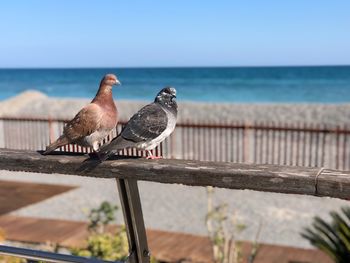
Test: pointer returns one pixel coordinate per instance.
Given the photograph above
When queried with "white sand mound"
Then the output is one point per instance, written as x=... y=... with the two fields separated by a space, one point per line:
x=36 y=104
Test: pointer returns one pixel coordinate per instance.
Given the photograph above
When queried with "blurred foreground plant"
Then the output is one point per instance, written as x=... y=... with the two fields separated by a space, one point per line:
x=332 y=238
x=10 y=259
x=222 y=230
x=100 y=243
x=102 y=216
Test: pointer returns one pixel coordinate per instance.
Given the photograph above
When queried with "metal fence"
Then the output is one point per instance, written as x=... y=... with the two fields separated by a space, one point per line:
x=298 y=144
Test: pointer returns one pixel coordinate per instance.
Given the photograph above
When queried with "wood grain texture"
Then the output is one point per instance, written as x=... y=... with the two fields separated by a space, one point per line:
x=271 y=178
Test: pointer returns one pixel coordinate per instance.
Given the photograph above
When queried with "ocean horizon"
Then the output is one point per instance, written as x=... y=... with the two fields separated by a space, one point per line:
x=272 y=84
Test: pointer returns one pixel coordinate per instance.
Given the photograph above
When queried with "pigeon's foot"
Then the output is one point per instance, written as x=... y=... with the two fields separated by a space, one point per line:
x=152 y=157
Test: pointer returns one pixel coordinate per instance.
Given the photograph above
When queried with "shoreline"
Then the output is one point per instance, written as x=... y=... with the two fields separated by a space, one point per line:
x=36 y=104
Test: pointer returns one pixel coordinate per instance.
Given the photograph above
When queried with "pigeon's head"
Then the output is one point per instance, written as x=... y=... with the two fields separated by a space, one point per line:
x=167 y=97
x=166 y=94
x=110 y=80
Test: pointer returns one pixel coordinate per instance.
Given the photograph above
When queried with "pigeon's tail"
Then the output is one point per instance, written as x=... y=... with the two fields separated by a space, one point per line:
x=58 y=143
x=117 y=144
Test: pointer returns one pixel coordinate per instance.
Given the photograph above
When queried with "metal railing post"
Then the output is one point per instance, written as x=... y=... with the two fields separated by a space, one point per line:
x=135 y=227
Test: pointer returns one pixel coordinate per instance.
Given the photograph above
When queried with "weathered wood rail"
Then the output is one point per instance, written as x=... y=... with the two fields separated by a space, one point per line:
x=127 y=171
x=270 y=178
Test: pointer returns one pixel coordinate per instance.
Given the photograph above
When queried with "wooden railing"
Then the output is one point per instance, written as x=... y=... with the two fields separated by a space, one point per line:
x=127 y=171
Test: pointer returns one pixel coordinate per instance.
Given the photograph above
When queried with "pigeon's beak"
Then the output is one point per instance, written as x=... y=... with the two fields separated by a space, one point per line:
x=117 y=82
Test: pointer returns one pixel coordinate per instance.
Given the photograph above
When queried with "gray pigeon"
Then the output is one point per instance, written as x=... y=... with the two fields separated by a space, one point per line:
x=148 y=127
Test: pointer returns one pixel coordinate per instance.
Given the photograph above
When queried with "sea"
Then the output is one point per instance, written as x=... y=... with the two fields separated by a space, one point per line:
x=317 y=84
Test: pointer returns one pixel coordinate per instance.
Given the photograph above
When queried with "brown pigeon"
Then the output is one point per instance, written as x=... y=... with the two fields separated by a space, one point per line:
x=93 y=122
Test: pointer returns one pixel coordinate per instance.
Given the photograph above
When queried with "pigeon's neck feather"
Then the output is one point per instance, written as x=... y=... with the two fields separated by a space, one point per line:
x=104 y=97
x=170 y=106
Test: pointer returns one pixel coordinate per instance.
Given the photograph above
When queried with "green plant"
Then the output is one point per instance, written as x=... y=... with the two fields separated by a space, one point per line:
x=101 y=216
x=10 y=259
x=223 y=230
x=100 y=243
x=105 y=246
x=333 y=238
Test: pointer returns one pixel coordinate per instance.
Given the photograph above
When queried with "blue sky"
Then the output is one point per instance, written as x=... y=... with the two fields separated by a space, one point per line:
x=115 y=33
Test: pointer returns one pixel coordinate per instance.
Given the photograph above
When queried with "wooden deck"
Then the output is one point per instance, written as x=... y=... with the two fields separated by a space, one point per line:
x=15 y=195
x=165 y=246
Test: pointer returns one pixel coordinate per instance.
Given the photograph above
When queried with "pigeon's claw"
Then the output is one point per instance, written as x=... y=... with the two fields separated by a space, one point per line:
x=152 y=157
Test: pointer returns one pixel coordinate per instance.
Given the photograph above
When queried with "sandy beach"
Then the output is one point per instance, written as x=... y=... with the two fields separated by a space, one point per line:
x=37 y=104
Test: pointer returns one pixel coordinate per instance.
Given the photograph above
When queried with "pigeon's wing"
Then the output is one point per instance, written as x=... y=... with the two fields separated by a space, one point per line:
x=147 y=124
x=86 y=122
